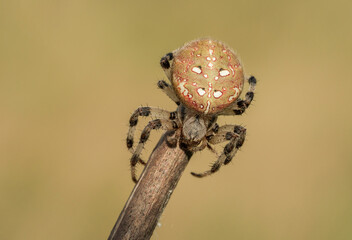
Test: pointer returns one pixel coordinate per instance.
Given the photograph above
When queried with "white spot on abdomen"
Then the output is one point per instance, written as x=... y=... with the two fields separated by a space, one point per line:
x=217 y=94
x=196 y=70
x=183 y=90
x=201 y=91
x=237 y=92
x=209 y=90
x=224 y=73
x=207 y=108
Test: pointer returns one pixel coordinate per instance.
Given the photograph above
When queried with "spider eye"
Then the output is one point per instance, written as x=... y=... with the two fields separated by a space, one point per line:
x=197 y=69
x=224 y=72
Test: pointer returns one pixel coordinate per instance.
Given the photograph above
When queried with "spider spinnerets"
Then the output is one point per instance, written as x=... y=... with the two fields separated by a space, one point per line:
x=207 y=79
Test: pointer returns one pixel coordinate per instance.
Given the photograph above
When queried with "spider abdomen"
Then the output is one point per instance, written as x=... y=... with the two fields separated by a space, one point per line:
x=207 y=76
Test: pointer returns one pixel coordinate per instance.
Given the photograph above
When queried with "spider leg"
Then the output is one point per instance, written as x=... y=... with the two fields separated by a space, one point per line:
x=169 y=91
x=199 y=147
x=165 y=63
x=233 y=133
x=213 y=150
x=145 y=112
x=220 y=135
x=240 y=105
x=172 y=138
x=152 y=125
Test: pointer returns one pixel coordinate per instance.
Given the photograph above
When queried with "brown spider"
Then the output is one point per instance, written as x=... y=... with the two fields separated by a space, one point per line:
x=206 y=81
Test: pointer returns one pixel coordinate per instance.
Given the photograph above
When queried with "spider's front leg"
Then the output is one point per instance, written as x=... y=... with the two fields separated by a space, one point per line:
x=236 y=135
x=154 y=124
x=145 y=112
x=242 y=104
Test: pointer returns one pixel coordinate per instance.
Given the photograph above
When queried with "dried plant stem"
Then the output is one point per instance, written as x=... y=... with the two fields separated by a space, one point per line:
x=151 y=194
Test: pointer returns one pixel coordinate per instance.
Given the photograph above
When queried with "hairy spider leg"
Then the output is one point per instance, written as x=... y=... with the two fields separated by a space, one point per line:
x=200 y=147
x=145 y=112
x=165 y=63
x=169 y=91
x=152 y=125
x=233 y=133
x=242 y=105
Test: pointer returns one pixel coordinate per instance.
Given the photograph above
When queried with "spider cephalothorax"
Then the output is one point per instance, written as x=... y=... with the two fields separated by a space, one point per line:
x=206 y=81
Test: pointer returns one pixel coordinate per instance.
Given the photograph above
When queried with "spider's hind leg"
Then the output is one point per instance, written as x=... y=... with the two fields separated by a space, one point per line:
x=236 y=135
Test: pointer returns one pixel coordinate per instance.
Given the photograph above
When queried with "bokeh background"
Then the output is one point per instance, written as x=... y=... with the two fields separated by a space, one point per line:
x=72 y=72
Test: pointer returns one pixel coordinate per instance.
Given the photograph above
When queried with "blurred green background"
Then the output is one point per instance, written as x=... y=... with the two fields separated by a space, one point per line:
x=72 y=72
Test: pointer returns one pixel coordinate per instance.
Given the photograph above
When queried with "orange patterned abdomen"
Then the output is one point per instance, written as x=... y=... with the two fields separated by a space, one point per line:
x=207 y=76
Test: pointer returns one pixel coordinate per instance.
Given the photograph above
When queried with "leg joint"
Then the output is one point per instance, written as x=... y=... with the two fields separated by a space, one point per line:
x=227 y=160
x=129 y=142
x=238 y=111
x=228 y=148
x=133 y=121
x=173 y=115
x=216 y=128
x=164 y=63
x=144 y=111
x=162 y=84
x=250 y=96
x=229 y=135
x=209 y=137
x=239 y=130
x=252 y=80
x=242 y=104
x=134 y=160
x=144 y=136
x=215 y=167
x=174 y=125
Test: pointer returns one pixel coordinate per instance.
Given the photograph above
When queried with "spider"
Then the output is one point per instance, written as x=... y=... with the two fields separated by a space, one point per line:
x=206 y=79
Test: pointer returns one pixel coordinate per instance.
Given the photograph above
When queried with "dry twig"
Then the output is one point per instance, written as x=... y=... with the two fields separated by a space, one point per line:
x=149 y=197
